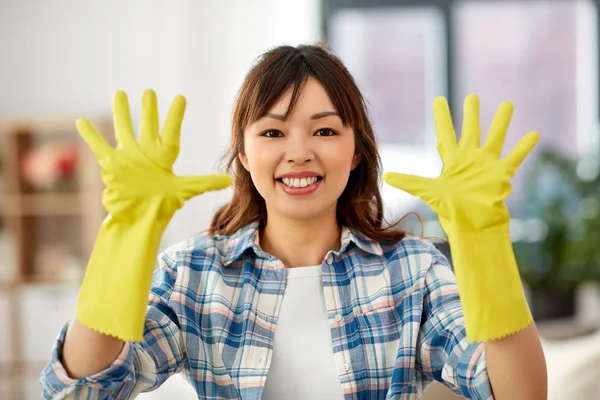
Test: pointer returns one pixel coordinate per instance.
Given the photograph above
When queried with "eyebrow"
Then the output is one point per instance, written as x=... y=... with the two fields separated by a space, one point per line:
x=320 y=115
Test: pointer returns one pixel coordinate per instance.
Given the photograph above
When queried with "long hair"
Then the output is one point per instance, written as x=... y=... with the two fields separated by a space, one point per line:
x=275 y=72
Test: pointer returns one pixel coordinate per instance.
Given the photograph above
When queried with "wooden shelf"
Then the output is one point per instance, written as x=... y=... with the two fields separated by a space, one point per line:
x=7 y=369
x=31 y=281
x=48 y=124
x=41 y=204
x=32 y=368
x=19 y=368
x=52 y=234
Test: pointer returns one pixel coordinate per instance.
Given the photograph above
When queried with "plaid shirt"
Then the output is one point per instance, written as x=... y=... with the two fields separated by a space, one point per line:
x=394 y=312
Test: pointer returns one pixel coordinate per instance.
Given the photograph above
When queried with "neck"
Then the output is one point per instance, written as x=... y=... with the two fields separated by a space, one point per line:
x=299 y=243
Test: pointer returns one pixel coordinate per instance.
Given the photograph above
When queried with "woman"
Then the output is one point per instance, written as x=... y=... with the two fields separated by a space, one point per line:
x=368 y=311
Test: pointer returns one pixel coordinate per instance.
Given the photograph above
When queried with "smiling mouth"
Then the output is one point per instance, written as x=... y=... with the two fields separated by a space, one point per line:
x=297 y=183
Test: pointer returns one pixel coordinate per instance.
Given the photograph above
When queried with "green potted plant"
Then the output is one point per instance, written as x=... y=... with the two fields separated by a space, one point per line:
x=568 y=253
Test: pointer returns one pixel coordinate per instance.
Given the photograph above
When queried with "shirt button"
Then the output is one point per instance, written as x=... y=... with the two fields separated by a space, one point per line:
x=337 y=318
x=346 y=367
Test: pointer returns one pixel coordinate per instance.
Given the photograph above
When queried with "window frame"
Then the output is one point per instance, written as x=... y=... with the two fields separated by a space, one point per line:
x=329 y=7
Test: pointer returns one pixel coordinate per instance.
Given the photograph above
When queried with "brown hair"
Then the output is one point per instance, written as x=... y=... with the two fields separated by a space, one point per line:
x=360 y=206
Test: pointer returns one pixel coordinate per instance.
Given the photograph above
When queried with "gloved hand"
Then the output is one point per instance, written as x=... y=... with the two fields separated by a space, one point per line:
x=468 y=198
x=141 y=196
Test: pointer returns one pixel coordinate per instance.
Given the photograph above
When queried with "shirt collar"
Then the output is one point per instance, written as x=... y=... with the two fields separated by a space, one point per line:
x=242 y=240
x=350 y=236
x=248 y=238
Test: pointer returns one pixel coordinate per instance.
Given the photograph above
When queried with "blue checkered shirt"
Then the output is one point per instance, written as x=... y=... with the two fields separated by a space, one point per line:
x=214 y=306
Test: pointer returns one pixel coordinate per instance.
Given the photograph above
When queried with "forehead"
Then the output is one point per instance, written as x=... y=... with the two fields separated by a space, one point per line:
x=312 y=98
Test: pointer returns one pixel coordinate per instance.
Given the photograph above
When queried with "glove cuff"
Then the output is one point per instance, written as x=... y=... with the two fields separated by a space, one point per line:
x=489 y=284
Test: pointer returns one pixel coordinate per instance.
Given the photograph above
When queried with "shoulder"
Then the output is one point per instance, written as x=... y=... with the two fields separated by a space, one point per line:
x=436 y=249
x=207 y=250
x=413 y=257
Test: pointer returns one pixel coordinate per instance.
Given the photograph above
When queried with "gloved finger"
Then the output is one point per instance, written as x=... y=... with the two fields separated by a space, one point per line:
x=471 y=130
x=149 y=120
x=122 y=121
x=444 y=128
x=415 y=185
x=497 y=134
x=94 y=140
x=171 y=130
x=515 y=158
x=194 y=185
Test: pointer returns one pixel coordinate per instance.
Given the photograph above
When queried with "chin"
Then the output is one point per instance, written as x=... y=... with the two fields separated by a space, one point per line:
x=305 y=212
x=302 y=215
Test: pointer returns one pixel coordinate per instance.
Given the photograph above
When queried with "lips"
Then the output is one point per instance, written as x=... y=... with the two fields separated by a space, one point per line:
x=300 y=190
x=299 y=174
x=300 y=182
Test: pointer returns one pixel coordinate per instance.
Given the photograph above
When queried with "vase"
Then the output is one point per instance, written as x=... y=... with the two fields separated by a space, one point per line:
x=548 y=304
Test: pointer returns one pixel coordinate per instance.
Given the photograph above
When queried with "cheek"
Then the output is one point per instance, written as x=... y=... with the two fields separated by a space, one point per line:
x=338 y=167
x=261 y=164
x=254 y=155
x=340 y=160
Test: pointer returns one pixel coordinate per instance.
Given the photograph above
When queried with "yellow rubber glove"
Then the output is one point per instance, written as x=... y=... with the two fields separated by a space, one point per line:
x=468 y=198
x=141 y=196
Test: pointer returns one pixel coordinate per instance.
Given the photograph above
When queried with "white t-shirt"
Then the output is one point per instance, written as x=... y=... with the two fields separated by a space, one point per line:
x=302 y=366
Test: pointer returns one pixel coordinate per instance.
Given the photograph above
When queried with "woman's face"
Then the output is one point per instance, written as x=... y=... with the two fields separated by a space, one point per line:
x=301 y=165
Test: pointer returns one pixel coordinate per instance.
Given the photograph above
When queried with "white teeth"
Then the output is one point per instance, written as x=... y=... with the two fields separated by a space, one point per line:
x=299 y=182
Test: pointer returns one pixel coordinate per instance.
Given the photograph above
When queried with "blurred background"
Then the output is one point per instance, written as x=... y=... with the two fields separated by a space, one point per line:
x=62 y=60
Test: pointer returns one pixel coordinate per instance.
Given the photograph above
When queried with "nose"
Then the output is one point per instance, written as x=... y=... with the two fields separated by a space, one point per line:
x=299 y=149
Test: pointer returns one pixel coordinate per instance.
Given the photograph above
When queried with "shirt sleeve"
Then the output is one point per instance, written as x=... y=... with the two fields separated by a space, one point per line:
x=443 y=352
x=141 y=366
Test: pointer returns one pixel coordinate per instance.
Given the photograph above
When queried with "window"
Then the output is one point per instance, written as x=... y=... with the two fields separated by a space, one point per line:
x=397 y=58
x=540 y=54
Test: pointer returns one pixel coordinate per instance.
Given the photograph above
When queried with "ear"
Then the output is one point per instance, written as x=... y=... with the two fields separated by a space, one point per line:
x=355 y=161
x=244 y=160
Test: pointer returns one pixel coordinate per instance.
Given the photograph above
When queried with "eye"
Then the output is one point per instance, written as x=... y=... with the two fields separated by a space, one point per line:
x=272 y=133
x=325 y=132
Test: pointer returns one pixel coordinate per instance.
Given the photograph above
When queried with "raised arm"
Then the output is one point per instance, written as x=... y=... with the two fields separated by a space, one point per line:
x=468 y=198
x=142 y=194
